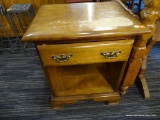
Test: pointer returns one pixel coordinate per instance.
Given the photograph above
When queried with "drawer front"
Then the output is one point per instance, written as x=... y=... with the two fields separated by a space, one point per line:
x=85 y=53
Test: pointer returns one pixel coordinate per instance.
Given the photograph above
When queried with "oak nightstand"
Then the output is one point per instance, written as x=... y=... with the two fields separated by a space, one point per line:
x=88 y=50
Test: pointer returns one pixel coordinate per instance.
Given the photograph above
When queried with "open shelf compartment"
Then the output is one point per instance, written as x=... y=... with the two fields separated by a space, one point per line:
x=86 y=79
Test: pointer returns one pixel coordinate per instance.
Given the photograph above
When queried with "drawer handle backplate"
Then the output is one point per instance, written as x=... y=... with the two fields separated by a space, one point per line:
x=110 y=54
x=62 y=57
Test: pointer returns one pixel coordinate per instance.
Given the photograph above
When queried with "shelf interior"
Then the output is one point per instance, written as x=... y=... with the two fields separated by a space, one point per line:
x=82 y=80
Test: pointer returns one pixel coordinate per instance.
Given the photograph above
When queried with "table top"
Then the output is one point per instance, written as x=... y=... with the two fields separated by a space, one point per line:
x=56 y=22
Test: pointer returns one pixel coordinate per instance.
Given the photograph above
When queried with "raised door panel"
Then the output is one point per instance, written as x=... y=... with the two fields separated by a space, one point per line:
x=60 y=1
x=5 y=29
x=52 y=1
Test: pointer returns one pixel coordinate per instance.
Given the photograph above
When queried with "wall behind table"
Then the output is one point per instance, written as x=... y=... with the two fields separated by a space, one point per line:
x=36 y=5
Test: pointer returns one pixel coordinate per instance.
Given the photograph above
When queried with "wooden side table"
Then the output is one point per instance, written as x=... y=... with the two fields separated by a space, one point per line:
x=88 y=50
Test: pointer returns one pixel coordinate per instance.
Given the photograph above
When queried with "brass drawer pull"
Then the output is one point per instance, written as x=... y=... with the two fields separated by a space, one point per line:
x=110 y=54
x=62 y=57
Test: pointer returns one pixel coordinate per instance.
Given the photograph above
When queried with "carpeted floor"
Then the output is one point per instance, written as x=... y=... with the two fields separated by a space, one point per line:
x=25 y=95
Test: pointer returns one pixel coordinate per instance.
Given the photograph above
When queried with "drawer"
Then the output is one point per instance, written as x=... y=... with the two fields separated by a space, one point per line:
x=85 y=53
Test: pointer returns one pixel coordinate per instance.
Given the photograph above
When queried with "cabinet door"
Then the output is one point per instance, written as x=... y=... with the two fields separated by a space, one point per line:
x=24 y=18
x=5 y=27
x=36 y=3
